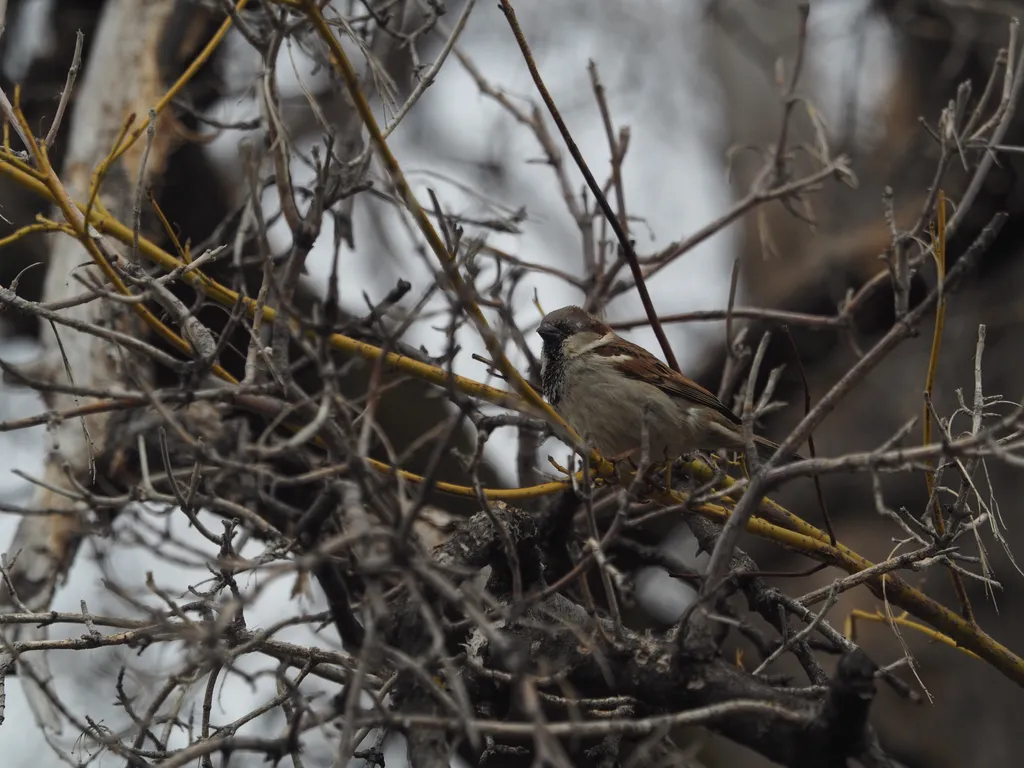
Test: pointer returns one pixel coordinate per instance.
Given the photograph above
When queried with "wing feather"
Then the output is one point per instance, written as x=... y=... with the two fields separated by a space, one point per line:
x=639 y=364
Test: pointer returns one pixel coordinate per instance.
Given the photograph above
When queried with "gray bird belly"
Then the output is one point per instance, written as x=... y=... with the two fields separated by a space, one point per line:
x=609 y=410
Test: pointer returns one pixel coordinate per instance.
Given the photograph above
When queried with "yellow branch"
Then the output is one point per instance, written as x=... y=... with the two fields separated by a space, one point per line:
x=851 y=622
x=887 y=587
x=768 y=508
x=77 y=220
x=491 y=494
x=447 y=260
x=182 y=81
x=105 y=224
x=939 y=238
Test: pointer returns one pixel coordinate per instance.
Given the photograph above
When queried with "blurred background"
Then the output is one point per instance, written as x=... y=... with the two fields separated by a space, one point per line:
x=692 y=81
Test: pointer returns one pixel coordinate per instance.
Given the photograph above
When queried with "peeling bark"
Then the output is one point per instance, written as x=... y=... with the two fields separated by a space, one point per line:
x=120 y=77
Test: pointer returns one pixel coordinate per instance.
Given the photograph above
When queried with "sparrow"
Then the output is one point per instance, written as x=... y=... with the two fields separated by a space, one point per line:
x=605 y=387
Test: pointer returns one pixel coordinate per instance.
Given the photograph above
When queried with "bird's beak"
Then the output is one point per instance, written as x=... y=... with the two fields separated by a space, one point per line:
x=547 y=331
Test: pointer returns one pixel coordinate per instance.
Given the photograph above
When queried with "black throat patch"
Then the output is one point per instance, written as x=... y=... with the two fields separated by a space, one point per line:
x=552 y=373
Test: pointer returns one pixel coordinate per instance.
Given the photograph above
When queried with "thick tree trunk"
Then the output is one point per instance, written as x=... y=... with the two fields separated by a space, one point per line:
x=120 y=77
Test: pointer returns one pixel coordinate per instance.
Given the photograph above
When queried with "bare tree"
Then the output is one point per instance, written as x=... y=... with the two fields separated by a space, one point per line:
x=209 y=403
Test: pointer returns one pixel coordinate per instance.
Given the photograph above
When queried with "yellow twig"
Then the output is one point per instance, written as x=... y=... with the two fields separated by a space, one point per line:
x=939 y=238
x=29 y=229
x=447 y=260
x=183 y=253
x=182 y=81
x=7 y=156
x=888 y=587
x=106 y=224
x=850 y=628
x=768 y=508
x=491 y=494
x=101 y=170
x=80 y=225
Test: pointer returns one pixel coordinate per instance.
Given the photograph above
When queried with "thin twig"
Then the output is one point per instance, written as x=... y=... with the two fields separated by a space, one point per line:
x=65 y=95
x=595 y=188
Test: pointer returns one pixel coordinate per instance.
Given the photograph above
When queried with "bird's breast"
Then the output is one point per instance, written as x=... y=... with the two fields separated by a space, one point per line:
x=610 y=409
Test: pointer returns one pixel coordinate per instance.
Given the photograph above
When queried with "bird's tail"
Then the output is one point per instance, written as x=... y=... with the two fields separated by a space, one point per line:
x=767 y=444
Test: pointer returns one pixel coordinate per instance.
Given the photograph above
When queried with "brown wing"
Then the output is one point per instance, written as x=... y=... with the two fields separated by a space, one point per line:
x=644 y=366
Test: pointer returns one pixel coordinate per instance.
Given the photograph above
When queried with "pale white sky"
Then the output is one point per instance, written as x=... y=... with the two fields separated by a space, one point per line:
x=649 y=57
